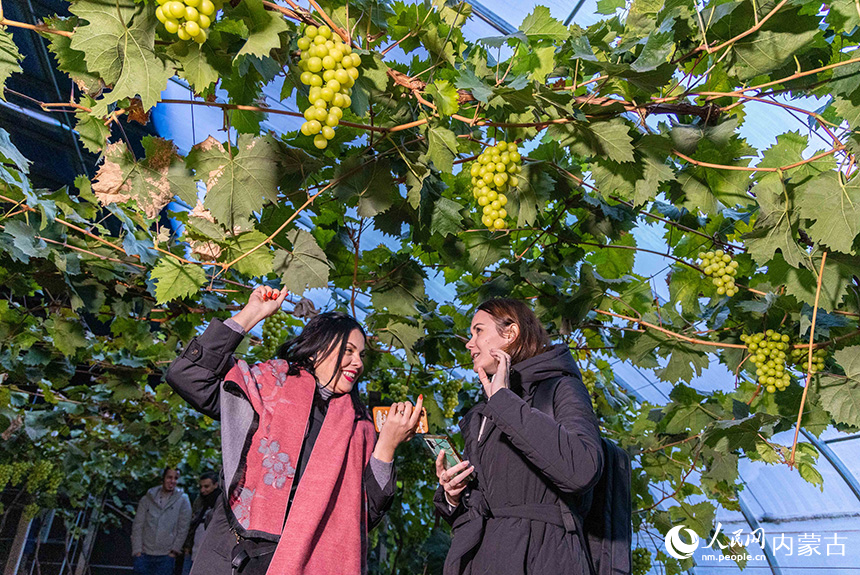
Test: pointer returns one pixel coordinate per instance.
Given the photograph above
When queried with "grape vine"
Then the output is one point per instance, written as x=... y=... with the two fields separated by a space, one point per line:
x=494 y=173
x=188 y=19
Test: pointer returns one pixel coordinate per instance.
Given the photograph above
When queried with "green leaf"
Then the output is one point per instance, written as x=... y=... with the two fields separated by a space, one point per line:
x=176 y=280
x=657 y=49
x=801 y=283
x=70 y=61
x=446 y=217
x=540 y=25
x=445 y=96
x=370 y=179
x=194 y=59
x=484 y=250
x=685 y=285
x=258 y=263
x=264 y=28
x=9 y=59
x=848 y=109
x=402 y=287
x=404 y=336
x=608 y=7
x=609 y=139
x=238 y=183
x=839 y=395
x=532 y=194
x=478 y=88
x=834 y=205
x=613 y=263
x=118 y=44
x=24 y=239
x=441 y=147
x=305 y=267
x=686 y=137
x=91 y=130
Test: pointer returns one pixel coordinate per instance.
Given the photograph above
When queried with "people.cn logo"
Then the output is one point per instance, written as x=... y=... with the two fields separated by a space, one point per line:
x=676 y=547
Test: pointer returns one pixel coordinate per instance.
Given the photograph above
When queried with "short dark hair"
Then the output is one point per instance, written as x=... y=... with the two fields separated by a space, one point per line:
x=532 y=339
x=166 y=469
x=320 y=337
x=210 y=475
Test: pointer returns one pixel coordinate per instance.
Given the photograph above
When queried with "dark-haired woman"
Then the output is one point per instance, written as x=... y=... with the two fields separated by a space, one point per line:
x=504 y=499
x=304 y=476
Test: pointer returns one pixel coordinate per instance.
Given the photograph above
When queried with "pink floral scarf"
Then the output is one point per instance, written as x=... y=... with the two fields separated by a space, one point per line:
x=326 y=531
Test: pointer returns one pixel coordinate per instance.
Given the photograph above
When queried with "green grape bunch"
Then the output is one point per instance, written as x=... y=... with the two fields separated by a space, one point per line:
x=493 y=173
x=330 y=68
x=188 y=19
x=450 y=391
x=398 y=392
x=589 y=378
x=722 y=268
x=768 y=352
x=799 y=359
x=276 y=330
x=641 y=561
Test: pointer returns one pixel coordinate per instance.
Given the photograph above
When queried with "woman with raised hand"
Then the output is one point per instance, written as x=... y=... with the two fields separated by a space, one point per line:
x=304 y=475
x=512 y=501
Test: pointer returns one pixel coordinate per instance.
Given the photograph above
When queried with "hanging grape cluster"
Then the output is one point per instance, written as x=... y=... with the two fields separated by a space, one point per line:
x=641 y=561
x=799 y=357
x=722 y=268
x=276 y=330
x=493 y=173
x=188 y=19
x=768 y=353
x=325 y=53
x=398 y=391
x=40 y=478
x=450 y=391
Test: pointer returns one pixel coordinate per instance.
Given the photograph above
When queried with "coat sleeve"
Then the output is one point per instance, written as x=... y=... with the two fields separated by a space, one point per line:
x=380 y=494
x=567 y=449
x=137 y=527
x=182 y=524
x=197 y=373
x=446 y=511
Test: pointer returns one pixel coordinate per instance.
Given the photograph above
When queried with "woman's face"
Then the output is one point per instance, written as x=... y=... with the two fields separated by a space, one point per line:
x=485 y=336
x=340 y=379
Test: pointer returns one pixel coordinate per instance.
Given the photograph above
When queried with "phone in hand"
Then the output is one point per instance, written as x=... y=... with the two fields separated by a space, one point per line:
x=436 y=443
x=380 y=415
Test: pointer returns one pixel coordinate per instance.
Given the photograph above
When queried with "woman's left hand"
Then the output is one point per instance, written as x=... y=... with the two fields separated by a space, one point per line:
x=501 y=379
x=400 y=425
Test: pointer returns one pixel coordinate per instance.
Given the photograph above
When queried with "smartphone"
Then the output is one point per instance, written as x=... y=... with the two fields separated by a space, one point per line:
x=436 y=443
x=380 y=414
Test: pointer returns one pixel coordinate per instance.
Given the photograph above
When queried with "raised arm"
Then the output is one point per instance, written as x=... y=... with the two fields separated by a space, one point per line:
x=197 y=373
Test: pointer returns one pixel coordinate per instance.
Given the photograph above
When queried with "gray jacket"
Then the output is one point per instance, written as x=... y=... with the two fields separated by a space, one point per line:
x=159 y=530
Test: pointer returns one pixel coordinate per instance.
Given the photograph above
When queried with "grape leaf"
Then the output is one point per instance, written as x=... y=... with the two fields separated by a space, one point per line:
x=834 y=205
x=540 y=25
x=70 y=61
x=258 y=263
x=264 y=28
x=24 y=239
x=404 y=336
x=441 y=147
x=848 y=109
x=118 y=44
x=196 y=62
x=238 y=183
x=91 y=130
x=67 y=336
x=839 y=272
x=609 y=139
x=469 y=81
x=444 y=95
x=446 y=217
x=9 y=59
x=304 y=267
x=839 y=395
x=152 y=182
x=176 y=280
x=369 y=179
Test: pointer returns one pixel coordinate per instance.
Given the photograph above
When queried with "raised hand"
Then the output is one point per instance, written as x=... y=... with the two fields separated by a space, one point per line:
x=264 y=301
x=501 y=379
x=453 y=480
x=400 y=426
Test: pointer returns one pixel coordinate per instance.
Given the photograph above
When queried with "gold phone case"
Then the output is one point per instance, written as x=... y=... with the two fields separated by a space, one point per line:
x=380 y=414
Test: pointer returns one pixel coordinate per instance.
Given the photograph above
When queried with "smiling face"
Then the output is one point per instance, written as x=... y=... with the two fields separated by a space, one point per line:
x=341 y=379
x=207 y=486
x=485 y=337
x=171 y=478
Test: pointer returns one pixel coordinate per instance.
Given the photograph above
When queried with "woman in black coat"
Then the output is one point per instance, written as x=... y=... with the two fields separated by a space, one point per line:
x=504 y=499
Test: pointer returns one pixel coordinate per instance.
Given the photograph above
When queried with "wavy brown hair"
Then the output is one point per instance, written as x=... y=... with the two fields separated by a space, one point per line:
x=532 y=339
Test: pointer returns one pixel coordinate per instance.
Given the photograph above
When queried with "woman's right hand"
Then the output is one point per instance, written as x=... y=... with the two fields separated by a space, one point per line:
x=453 y=480
x=264 y=301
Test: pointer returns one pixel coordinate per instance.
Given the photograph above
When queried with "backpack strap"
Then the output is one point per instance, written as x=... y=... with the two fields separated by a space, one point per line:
x=542 y=400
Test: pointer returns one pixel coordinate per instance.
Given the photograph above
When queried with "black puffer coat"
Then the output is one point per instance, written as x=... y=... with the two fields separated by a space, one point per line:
x=509 y=520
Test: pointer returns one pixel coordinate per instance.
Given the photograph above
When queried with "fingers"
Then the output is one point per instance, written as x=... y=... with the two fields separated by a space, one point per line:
x=463 y=477
x=416 y=413
x=440 y=464
x=482 y=375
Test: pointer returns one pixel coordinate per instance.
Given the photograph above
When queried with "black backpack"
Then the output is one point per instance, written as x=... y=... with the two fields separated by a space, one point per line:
x=606 y=532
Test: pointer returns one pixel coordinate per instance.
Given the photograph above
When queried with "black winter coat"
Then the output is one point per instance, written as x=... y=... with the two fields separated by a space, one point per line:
x=509 y=520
